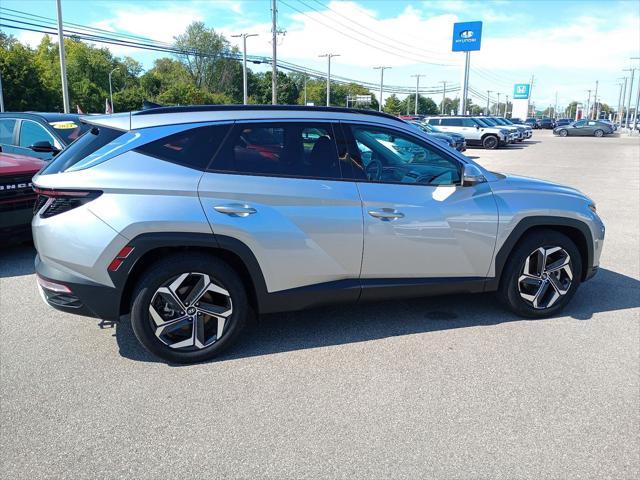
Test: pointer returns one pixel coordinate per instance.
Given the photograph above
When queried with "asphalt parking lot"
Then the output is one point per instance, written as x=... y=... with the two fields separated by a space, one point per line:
x=450 y=387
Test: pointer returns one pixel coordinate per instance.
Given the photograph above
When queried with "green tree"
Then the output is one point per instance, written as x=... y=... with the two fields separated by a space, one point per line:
x=426 y=106
x=393 y=105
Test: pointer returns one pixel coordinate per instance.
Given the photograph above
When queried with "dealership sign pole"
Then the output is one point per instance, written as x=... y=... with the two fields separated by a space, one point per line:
x=466 y=38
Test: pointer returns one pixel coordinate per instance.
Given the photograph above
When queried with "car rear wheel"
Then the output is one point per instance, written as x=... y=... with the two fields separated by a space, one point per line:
x=188 y=308
x=598 y=133
x=563 y=133
x=541 y=275
x=490 y=142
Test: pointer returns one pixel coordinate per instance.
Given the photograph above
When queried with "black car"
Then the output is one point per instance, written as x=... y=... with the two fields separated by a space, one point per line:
x=563 y=121
x=37 y=134
x=547 y=123
x=532 y=122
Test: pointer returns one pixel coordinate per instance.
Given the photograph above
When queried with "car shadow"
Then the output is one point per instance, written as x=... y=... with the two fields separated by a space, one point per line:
x=17 y=259
x=322 y=327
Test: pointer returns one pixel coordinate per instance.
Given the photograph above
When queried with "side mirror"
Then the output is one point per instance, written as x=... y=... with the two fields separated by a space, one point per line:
x=472 y=175
x=43 y=147
x=477 y=127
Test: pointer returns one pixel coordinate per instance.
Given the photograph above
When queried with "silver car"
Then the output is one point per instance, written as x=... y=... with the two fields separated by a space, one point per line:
x=192 y=219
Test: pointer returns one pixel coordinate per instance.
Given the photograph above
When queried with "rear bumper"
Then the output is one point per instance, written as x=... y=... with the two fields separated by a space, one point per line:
x=86 y=298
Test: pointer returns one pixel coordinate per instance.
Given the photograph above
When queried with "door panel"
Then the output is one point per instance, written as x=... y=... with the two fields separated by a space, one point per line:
x=303 y=231
x=445 y=231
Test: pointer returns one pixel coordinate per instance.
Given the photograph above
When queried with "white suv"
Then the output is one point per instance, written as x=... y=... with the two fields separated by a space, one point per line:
x=474 y=132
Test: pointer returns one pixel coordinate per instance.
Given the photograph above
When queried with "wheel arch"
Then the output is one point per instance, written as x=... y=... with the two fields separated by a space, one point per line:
x=576 y=230
x=150 y=247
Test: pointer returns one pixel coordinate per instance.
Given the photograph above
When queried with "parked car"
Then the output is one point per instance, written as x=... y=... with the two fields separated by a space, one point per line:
x=36 y=134
x=515 y=135
x=169 y=216
x=526 y=130
x=533 y=122
x=584 y=128
x=454 y=140
x=563 y=121
x=547 y=123
x=474 y=132
x=16 y=194
x=520 y=130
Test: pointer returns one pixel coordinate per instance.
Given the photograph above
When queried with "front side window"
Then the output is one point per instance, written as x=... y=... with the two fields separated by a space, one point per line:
x=580 y=123
x=305 y=150
x=451 y=122
x=31 y=132
x=469 y=122
x=391 y=157
x=6 y=130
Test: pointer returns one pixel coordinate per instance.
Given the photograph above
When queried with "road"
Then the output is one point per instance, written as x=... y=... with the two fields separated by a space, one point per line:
x=452 y=387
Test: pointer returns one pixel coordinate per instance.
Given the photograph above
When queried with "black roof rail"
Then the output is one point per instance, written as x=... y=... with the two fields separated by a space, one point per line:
x=226 y=108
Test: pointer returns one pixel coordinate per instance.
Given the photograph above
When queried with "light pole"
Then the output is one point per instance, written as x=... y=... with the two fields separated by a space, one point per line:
x=244 y=36
x=595 y=103
x=506 y=107
x=417 y=77
x=633 y=71
x=635 y=112
x=305 y=89
x=274 y=64
x=382 y=69
x=329 y=56
x=617 y=117
x=1 y=95
x=498 y=103
x=444 y=95
x=588 y=105
x=489 y=92
x=63 y=61
x=111 y=89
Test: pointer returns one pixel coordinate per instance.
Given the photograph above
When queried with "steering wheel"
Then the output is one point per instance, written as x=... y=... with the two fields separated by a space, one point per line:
x=374 y=169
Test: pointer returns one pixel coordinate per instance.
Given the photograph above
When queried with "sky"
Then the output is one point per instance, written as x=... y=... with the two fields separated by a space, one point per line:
x=566 y=45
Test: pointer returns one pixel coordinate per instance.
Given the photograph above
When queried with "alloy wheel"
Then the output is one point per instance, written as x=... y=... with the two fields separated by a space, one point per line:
x=546 y=276
x=190 y=312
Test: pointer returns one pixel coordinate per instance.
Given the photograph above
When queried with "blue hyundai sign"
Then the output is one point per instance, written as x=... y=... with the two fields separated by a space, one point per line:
x=521 y=91
x=466 y=36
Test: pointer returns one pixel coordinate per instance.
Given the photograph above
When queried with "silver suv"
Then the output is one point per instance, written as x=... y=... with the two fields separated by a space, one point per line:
x=192 y=219
x=474 y=130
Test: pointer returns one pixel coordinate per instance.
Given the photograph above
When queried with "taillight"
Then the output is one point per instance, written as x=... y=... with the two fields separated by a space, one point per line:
x=120 y=258
x=54 y=202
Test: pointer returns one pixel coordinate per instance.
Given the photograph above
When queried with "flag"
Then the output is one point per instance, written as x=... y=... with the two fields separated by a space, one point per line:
x=80 y=112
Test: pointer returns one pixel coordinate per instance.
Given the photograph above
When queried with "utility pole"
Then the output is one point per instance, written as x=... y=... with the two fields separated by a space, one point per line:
x=417 y=77
x=305 y=89
x=63 y=61
x=530 y=94
x=444 y=95
x=329 y=56
x=633 y=71
x=498 y=103
x=624 y=98
x=274 y=64
x=595 y=103
x=555 y=108
x=1 y=95
x=382 y=69
x=617 y=117
x=489 y=92
x=244 y=36
x=111 y=90
x=506 y=107
x=589 y=105
x=635 y=112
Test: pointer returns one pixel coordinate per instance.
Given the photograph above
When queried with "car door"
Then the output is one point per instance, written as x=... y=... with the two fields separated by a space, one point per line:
x=419 y=222
x=578 y=128
x=30 y=133
x=277 y=188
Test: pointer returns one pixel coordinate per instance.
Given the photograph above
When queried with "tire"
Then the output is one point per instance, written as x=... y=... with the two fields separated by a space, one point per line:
x=519 y=292
x=598 y=133
x=224 y=293
x=563 y=133
x=490 y=142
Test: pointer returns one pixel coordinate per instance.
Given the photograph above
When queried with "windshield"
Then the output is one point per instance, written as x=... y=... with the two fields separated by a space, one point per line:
x=483 y=122
x=69 y=130
x=490 y=121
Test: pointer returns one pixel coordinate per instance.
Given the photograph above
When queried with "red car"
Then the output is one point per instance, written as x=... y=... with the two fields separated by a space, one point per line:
x=16 y=193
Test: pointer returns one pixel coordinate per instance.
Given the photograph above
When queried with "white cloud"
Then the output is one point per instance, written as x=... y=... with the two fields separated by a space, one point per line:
x=32 y=39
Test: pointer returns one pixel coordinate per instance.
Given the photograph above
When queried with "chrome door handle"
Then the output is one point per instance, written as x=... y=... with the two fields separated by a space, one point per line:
x=386 y=214
x=235 y=210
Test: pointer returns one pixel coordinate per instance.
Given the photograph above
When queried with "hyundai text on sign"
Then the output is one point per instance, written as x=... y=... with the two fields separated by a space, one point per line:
x=466 y=36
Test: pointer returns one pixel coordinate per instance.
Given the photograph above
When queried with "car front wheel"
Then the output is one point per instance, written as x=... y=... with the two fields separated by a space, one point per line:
x=541 y=275
x=563 y=133
x=188 y=308
x=490 y=142
x=598 y=133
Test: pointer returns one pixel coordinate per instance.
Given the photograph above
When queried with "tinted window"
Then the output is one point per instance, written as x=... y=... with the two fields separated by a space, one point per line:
x=287 y=149
x=6 y=131
x=192 y=148
x=69 y=130
x=433 y=121
x=31 y=132
x=580 y=123
x=391 y=157
x=468 y=122
x=88 y=143
x=451 y=122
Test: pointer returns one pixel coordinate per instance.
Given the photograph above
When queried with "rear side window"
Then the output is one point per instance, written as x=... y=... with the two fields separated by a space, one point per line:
x=84 y=146
x=451 y=122
x=192 y=148
x=6 y=131
x=306 y=150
